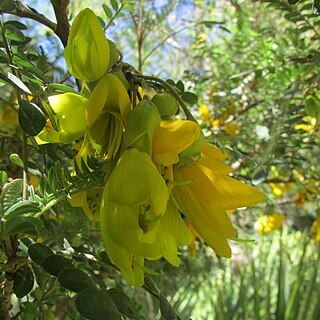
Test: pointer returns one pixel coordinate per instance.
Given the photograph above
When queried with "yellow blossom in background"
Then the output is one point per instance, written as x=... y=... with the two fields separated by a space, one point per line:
x=278 y=189
x=215 y=124
x=232 y=129
x=269 y=223
x=309 y=126
x=204 y=112
x=315 y=229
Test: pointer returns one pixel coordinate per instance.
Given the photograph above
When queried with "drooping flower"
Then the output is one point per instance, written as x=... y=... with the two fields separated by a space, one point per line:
x=70 y=111
x=87 y=51
x=203 y=189
x=107 y=112
x=269 y=223
x=211 y=192
x=137 y=217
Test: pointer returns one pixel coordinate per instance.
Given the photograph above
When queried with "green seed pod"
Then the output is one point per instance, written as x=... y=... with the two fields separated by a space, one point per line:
x=166 y=103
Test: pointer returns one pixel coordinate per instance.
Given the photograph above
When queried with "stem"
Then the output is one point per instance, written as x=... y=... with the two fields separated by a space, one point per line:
x=19 y=98
x=167 y=86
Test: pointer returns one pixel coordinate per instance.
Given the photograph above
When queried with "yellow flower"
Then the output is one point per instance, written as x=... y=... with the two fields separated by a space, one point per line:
x=215 y=124
x=87 y=51
x=278 y=189
x=204 y=112
x=202 y=187
x=315 y=229
x=269 y=223
x=171 y=138
x=107 y=112
x=136 y=218
x=209 y=194
x=310 y=124
x=70 y=111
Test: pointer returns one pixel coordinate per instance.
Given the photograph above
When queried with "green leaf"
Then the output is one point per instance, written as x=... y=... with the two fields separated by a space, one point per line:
x=149 y=283
x=313 y=106
x=18 y=83
x=31 y=118
x=22 y=224
x=114 y=4
x=13 y=33
x=96 y=304
x=7 y=5
x=23 y=281
x=75 y=280
x=22 y=207
x=15 y=158
x=123 y=303
x=55 y=264
x=189 y=97
x=3 y=178
x=166 y=309
x=128 y=7
x=180 y=86
x=11 y=193
x=17 y=24
x=107 y=11
x=39 y=252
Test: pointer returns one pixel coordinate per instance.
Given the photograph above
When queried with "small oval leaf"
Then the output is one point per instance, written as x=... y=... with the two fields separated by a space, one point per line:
x=189 y=97
x=166 y=309
x=31 y=118
x=96 y=304
x=123 y=303
x=13 y=33
x=55 y=264
x=23 y=281
x=39 y=252
x=75 y=280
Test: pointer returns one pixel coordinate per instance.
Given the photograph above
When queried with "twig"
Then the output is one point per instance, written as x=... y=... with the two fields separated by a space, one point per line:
x=61 y=28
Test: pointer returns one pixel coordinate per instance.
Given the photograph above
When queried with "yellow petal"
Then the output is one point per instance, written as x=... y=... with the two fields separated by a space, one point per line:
x=108 y=96
x=171 y=138
x=135 y=181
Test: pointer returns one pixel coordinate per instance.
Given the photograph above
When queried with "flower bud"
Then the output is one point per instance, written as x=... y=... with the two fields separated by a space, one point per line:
x=87 y=51
x=143 y=120
x=166 y=103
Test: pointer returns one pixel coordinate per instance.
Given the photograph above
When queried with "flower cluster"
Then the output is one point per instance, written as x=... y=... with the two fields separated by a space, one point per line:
x=269 y=223
x=164 y=175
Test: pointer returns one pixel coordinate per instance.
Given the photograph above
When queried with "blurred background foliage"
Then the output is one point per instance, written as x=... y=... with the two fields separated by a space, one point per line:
x=255 y=67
